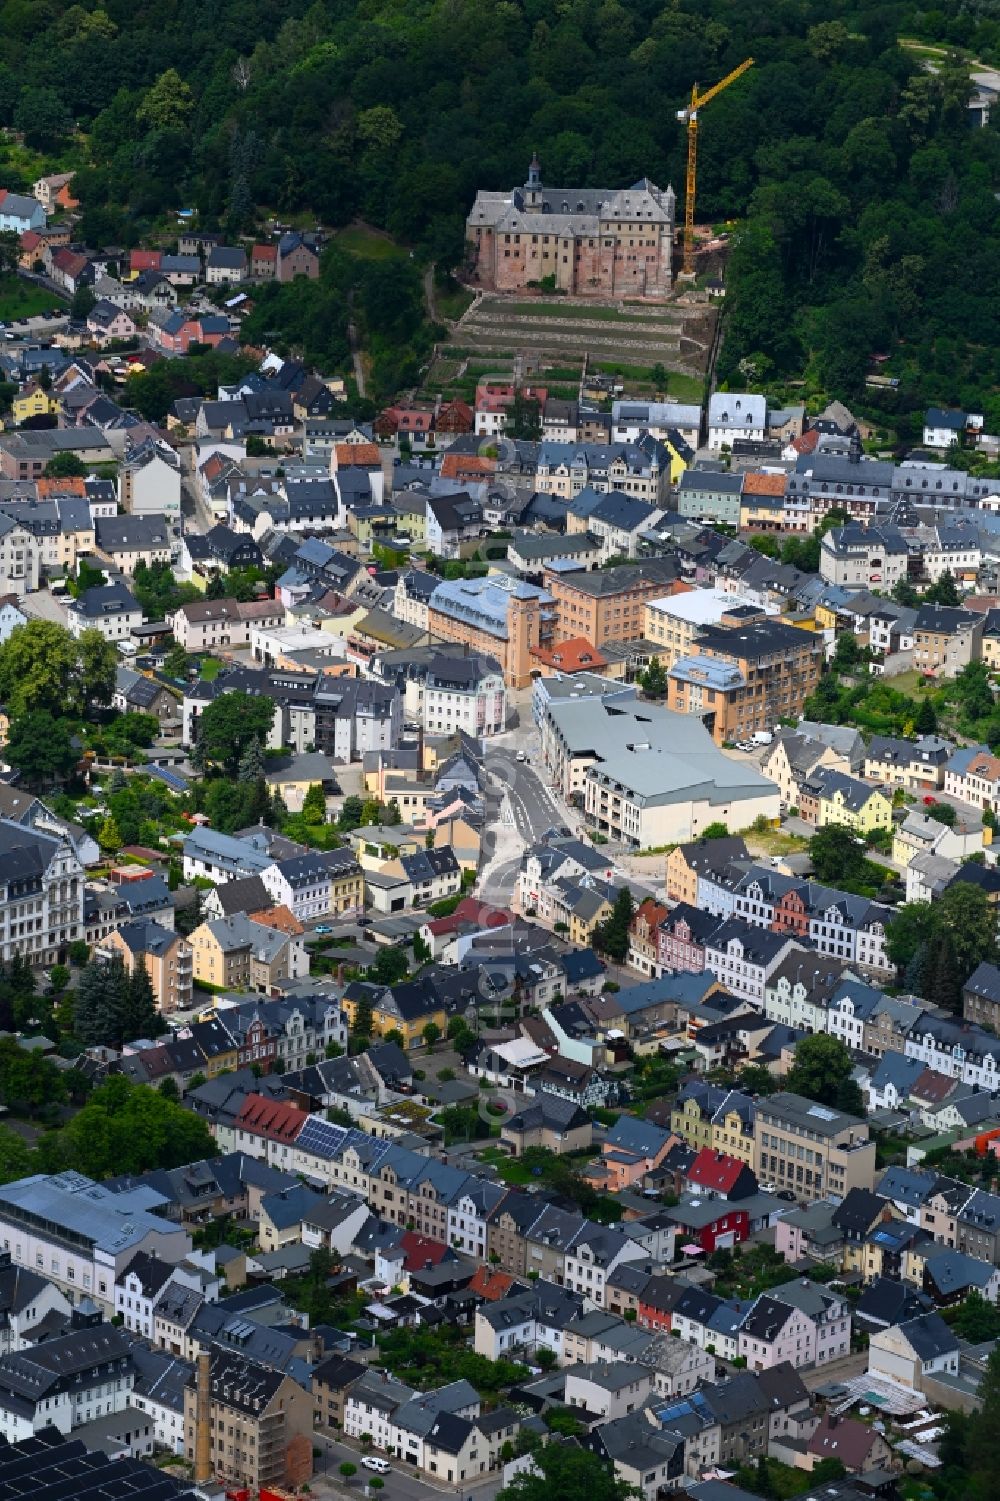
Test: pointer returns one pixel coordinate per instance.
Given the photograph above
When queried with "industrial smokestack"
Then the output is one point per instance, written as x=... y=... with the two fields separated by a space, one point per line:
x=203 y=1420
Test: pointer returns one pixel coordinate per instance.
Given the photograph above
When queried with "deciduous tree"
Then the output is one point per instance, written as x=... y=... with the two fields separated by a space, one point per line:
x=41 y=748
x=229 y=724
x=822 y=1064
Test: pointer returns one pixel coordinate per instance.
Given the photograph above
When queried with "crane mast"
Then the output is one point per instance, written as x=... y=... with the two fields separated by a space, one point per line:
x=689 y=115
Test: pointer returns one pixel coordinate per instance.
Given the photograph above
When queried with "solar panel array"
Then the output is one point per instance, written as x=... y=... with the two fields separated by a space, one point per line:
x=321 y=1137
x=51 y=1468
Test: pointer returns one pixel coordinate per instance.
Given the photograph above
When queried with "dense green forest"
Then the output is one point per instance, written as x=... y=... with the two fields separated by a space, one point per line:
x=867 y=204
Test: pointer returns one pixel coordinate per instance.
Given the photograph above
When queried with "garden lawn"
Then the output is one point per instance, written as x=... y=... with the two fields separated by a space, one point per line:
x=367 y=244
x=451 y=305
x=511 y=1169
x=25 y=299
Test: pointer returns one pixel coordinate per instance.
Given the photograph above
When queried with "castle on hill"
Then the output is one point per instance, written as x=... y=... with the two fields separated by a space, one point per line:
x=594 y=242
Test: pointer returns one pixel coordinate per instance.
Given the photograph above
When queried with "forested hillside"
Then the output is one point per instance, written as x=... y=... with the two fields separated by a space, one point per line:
x=869 y=205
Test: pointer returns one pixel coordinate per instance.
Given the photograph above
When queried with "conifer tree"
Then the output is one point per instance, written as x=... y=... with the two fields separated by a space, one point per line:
x=251 y=767
x=87 y=1005
x=140 y=1017
x=113 y=1007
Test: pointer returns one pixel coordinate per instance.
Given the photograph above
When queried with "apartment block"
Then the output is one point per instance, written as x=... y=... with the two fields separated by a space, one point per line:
x=165 y=955
x=811 y=1149
x=255 y=1424
x=609 y=605
x=498 y=616
x=740 y=679
x=946 y=639
x=41 y=894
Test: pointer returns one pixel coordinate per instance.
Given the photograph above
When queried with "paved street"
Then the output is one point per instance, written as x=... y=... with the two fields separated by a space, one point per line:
x=534 y=806
x=401 y=1484
x=193 y=504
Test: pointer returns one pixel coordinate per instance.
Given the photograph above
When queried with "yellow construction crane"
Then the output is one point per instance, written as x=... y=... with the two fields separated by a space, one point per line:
x=690 y=117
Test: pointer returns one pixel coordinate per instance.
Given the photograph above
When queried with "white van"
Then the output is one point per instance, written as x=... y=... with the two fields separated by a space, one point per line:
x=372 y=1462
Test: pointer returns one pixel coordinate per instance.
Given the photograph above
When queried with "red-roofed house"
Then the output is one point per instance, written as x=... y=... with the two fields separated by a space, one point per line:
x=346 y=456
x=931 y=1089
x=410 y=1254
x=493 y=401
x=264 y=262
x=71 y=269
x=491 y=1285
x=415 y=424
x=263 y=1128
x=70 y=484
x=857 y=1446
x=455 y=418
x=716 y=1175
x=419 y=1251
x=762 y=502
x=467 y=468
x=806 y=444
x=644 y=938
x=32 y=245
x=144 y=260
x=64 y=198
x=470 y=916
x=575 y=655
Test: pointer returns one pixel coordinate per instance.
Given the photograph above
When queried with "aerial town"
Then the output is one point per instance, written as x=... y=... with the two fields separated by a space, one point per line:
x=499 y=882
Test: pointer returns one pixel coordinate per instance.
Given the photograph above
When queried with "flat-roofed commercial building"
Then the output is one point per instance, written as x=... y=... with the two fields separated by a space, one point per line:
x=645 y=775
x=674 y=621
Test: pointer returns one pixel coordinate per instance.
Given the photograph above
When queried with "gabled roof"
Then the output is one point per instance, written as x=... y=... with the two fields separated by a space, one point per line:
x=952 y=1272
x=716 y=1171
x=929 y=1337
x=843 y=1438
x=270 y=1118
x=766 y=1319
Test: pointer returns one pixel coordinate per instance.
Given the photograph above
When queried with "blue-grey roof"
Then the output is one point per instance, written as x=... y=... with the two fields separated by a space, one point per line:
x=897 y=1069
x=954 y=1272
x=69 y=1201
x=865 y=998
x=623 y=511
x=707 y=671
x=290 y=1206
x=930 y=1336
x=581 y=964
x=654 y=992
x=634 y=1135
x=483 y=603
x=223 y=849
x=944 y=417
x=907 y=1185
x=104 y=600
x=702 y=480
